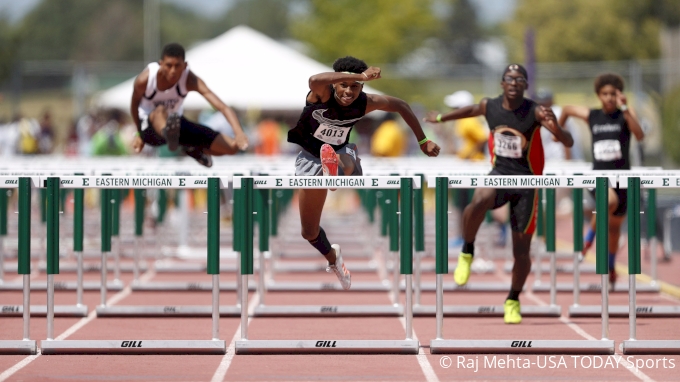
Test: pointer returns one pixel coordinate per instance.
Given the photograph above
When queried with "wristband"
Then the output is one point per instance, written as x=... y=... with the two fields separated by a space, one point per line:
x=439 y=117
x=422 y=141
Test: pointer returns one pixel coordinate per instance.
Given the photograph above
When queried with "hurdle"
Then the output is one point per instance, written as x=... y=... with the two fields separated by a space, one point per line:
x=389 y=215
x=25 y=345
x=137 y=346
x=326 y=346
x=523 y=346
x=633 y=345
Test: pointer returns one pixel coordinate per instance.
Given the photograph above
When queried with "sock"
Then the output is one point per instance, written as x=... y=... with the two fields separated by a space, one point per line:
x=321 y=243
x=513 y=295
x=590 y=236
x=469 y=248
x=612 y=260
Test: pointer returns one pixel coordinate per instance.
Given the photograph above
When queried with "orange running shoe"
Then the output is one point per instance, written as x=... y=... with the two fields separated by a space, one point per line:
x=329 y=161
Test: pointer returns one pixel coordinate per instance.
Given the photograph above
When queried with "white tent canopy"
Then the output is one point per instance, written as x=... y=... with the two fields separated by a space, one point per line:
x=243 y=67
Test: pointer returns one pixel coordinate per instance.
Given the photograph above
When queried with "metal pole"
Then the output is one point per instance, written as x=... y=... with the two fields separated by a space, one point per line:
x=634 y=260
x=115 y=232
x=24 y=255
x=602 y=247
x=213 y=260
x=406 y=233
x=441 y=245
x=140 y=204
x=78 y=238
x=539 y=233
x=52 y=254
x=550 y=246
x=3 y=230
x=27 y=307
x=105 y=240
x=577 y=197
x=215 y=307
x=418 y=212
x=263 y=233
x=246 y=249
x=651 y=232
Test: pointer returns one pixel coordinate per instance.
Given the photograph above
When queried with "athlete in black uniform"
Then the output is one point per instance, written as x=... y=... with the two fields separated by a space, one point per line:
x=516 y=149
x=335 y=102
x=610 y=127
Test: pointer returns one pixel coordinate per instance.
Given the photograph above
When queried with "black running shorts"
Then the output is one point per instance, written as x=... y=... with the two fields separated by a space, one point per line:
x=191 y=134
x=523 y=207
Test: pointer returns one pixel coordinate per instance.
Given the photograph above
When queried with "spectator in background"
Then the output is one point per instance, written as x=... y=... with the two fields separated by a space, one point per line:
x=471 y=132
x=45 y=136
x=28 y=129
x=107 y=141
x=389 y=139
x=268 y=142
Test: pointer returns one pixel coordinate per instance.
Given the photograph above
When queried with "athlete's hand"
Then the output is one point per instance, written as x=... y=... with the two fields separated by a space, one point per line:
x=546 y=114
x=241 y=141
x=430 y=149
x=137 y=144
x=372 y=73
x=431 y=117
x=620 y=98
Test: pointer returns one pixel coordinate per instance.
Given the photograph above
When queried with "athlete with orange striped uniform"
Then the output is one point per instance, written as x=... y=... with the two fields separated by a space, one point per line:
x=516 y=149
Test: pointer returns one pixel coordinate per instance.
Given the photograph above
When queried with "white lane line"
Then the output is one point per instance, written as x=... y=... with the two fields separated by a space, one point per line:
x=75 y=327
x=223 y=367
x=565 y=320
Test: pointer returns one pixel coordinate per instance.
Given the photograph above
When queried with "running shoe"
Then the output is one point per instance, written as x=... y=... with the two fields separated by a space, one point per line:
x=200 y=156
x=586 y=247
x=462 y=272
x=512 y=312
x=329 y=161
x=171 y=132
x=339 y=269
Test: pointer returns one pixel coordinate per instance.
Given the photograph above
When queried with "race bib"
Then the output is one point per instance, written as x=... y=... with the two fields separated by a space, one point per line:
x=607 y=150
x=509 y=146
x=333 y=135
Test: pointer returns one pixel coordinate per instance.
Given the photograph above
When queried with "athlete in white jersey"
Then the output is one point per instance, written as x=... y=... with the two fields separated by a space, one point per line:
x=157 y=110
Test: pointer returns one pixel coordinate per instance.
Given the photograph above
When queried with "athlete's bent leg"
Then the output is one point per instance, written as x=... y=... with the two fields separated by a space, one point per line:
x=222 y=145
x=158 y=119
x=346 y=163
x=615 y=222
x=311 y=203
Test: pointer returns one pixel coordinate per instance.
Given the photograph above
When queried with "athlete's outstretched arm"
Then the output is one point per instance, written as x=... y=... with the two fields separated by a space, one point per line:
x=580 y=112
x=547 y=118
x=196 y=84
x=396 y=105
x=630 y=117
x=463 y=112
x=319 y=83
x=137 y=94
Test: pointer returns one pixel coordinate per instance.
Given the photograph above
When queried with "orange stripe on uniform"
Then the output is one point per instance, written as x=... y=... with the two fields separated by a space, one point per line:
x=531 y=226
x=535 y=155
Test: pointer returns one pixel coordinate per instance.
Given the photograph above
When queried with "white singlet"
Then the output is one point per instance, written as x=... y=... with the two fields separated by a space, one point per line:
x=172 y=98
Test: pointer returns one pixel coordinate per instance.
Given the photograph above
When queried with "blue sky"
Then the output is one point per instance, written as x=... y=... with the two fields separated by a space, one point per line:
x=491 y=11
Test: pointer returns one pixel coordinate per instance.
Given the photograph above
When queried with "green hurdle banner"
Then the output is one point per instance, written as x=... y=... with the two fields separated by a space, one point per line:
x=297 y=182
x=112 y=182
x=521 y=181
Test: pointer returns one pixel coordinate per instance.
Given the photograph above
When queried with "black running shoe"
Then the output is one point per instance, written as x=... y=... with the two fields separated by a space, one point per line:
x=171 y=132
x=199 y=155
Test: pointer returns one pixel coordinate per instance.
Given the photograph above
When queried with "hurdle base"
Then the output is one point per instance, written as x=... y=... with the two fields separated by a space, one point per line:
x=63 y=285
x=622 y=311
x=311 y=286
x=469 y=287
x=49 y=347
x=171 y=266
x=440 y=346
x=328 y=311
x=327 y=347
x=165 y=311
x=594 y=288
x=18 y=347
x=41 y=310
x=311 y=267
x=477 y=268
x=651 y=347
x=487 y=310
x=559 y=267
x=95 y=267
x=171 y=286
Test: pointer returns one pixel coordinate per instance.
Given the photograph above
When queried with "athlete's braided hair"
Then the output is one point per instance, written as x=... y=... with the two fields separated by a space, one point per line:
x=173 y=50
x=605 y=79
x=349 y=64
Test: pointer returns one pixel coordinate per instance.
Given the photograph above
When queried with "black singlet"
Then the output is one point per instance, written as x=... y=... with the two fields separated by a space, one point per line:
x=515 y=140
x=327 y=122
x=611 y=140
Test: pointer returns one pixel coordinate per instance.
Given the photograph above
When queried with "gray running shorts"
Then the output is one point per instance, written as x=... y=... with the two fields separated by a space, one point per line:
x=307 y=164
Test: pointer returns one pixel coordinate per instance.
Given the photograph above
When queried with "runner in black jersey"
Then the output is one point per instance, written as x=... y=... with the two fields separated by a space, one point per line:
x=156 y=109
x=610 y=128
x=516 y=149
x=335 y=102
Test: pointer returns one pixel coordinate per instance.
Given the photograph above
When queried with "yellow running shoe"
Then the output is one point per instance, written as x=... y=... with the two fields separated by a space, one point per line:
x=512 y=312
x=462 y=272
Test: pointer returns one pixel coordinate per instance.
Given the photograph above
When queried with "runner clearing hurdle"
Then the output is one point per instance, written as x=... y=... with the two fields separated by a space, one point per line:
x=335 y=102
x=516 y=149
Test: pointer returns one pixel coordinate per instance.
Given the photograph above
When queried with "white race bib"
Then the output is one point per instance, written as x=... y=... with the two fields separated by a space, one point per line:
x=333 y=135
x=509 y=146
x=607 y=150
